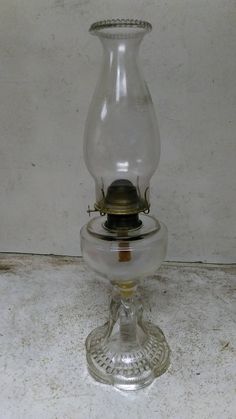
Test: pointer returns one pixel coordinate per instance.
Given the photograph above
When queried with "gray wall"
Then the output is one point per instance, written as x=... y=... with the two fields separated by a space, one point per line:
x=48 y=69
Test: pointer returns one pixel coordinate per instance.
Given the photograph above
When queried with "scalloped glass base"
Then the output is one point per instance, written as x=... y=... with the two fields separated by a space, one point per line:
x=127 y=356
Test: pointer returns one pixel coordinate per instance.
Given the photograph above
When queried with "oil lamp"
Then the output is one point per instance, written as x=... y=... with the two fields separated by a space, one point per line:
x=123 y=244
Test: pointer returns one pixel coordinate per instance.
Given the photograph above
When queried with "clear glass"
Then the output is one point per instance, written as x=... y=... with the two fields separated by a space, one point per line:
x=126 y=351
x=121 y=139
x=121 y=148
x=143 y=250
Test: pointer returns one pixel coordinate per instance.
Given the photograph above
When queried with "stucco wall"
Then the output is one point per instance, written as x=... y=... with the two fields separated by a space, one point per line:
x=48 y=69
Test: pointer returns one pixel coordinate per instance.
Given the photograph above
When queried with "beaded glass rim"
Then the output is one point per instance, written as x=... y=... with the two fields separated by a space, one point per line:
x=96 y=27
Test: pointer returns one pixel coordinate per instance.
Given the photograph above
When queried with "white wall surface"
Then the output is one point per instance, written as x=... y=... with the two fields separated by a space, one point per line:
x=48 y=70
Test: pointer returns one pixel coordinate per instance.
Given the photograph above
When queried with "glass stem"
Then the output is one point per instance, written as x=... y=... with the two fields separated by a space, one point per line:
x=126 y=312
x=128 y=322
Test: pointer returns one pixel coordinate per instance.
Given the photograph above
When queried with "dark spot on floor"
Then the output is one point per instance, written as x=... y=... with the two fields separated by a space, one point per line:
x=225 y=346
x=63 y=261
x=6 y=268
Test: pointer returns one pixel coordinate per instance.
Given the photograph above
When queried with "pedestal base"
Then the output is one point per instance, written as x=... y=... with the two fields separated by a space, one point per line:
x=127 y=352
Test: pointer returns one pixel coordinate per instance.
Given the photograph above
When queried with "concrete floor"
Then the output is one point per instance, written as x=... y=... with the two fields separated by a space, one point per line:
x=50 y=304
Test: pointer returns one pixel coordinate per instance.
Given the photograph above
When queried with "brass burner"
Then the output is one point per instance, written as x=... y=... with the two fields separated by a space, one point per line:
x=122 y=198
